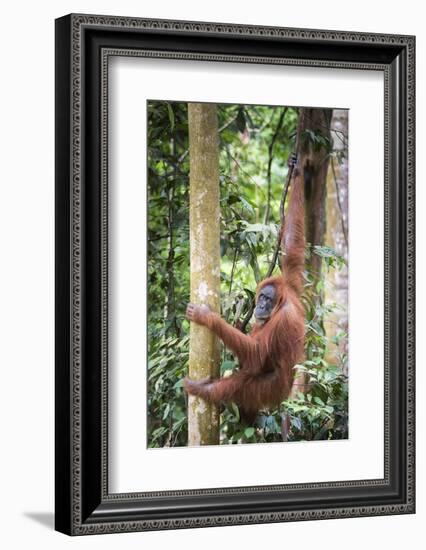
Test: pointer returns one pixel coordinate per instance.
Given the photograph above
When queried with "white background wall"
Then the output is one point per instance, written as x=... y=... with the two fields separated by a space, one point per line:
x=27 y=267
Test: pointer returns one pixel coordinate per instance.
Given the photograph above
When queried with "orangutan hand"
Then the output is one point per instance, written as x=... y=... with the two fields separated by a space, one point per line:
x=198 y=314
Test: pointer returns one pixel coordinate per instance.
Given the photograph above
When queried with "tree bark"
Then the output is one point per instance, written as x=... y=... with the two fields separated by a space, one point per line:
x=204 y=350
x=337 y=231
x=314 y=160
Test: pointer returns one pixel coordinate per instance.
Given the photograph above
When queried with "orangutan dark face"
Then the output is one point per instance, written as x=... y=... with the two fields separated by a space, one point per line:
x=266 y=301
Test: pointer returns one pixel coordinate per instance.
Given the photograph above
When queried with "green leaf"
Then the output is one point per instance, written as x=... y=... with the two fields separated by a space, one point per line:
x=272 y=425
x=228 y=365
x=256 y=227
x=296 y=422
x=247 y=205
x=236 y=411
x=318 y=401
x=166 y=411
x=249 y=432
x=171 y=116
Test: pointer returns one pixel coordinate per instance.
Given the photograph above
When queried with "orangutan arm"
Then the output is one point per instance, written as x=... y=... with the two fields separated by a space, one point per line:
x=240 y=344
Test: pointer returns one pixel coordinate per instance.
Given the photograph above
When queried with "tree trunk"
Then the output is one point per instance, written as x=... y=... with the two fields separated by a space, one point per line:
x=313 y=158
x=337 y=231
x=204 y=350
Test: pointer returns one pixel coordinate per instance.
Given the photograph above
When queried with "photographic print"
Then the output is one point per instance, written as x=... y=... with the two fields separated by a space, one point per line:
x=247 y=299
x=204 y=253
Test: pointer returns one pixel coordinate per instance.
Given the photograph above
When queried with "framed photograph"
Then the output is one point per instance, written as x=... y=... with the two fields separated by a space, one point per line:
x=234 y=274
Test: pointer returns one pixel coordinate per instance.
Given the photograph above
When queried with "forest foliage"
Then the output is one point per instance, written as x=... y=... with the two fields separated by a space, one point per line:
x=254 y=143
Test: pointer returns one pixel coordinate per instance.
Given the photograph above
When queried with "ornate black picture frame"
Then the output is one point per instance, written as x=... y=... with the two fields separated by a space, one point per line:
x=83 y=45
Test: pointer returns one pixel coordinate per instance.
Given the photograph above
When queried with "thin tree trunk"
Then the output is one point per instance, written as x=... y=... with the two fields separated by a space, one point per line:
x=337 y=232
x=204 y=350
x=171 y=305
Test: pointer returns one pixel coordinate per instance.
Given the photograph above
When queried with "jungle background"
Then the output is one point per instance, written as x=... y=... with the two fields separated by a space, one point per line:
x=255 y=143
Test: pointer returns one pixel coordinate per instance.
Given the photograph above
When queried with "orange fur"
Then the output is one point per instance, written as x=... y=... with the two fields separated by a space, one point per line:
x=268 y=354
